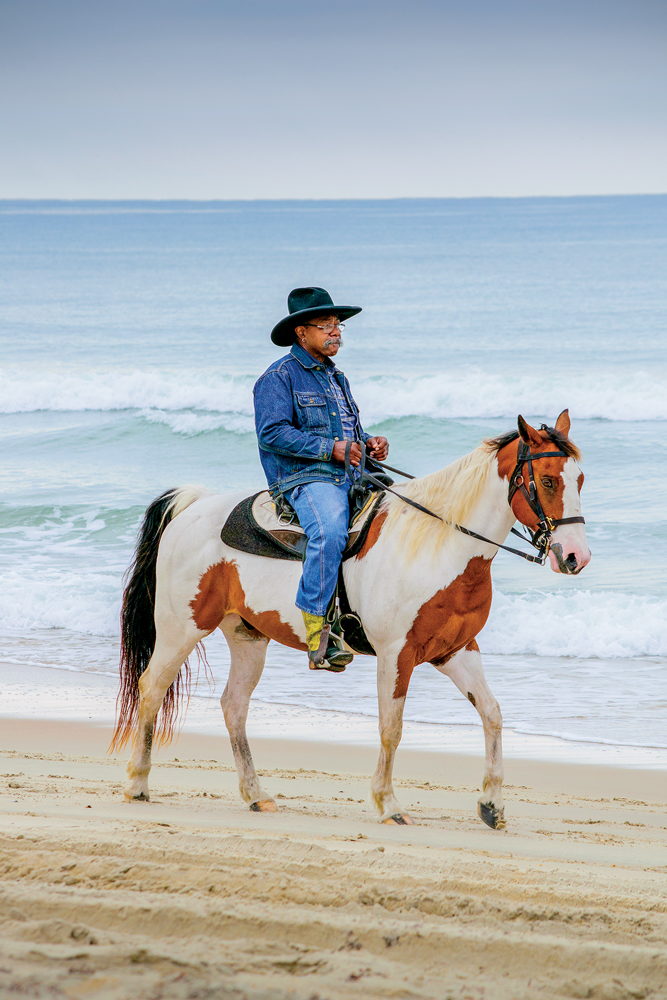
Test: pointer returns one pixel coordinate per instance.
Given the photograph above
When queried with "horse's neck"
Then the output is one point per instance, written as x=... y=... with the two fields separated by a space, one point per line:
x=405 y=569
x=430 y=551
x=491 y=515
x=481 y=493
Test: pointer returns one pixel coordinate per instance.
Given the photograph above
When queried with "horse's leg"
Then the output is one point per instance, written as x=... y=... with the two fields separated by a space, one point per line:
x=390 y=711
x=465 y=669
x=247 y=648
x=170 y=653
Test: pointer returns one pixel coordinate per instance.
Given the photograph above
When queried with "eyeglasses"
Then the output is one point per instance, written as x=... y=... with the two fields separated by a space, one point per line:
x=327 y=327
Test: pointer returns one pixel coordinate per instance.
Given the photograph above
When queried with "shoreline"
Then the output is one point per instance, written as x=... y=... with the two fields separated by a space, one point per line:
x=41 y=692
x=192 y=894
x=25 y=736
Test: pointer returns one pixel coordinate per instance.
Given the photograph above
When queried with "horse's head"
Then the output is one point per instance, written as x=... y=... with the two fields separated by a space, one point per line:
x=544 y=483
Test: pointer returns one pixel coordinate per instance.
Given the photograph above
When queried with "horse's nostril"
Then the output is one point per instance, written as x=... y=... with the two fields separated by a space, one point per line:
x=571 y=561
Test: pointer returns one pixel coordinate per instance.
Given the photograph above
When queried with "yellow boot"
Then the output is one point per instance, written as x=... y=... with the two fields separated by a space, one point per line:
x=325 y=652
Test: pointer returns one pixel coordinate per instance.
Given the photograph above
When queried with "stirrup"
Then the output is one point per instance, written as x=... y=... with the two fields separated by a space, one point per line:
x=330 y=654
x=336 y=655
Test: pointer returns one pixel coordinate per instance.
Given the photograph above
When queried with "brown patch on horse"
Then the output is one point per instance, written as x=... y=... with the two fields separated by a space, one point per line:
x=447 y=622
x=220 y=593
x=373 y=534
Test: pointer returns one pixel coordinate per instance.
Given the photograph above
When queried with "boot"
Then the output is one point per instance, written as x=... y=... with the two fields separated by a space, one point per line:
x=325 y=650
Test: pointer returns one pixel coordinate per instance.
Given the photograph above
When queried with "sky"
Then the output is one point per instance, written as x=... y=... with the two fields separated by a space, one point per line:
x=237 y=99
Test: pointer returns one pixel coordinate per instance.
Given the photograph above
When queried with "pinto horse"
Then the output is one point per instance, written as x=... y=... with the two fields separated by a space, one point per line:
x=421 y=587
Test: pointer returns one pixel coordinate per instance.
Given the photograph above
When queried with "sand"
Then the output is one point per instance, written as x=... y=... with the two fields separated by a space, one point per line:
x=193 y=896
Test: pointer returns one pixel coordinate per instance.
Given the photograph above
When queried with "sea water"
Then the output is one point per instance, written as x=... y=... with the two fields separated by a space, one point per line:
x=131 y=334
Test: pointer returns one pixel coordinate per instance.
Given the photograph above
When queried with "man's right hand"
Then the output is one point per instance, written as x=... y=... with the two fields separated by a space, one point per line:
x=338 y=453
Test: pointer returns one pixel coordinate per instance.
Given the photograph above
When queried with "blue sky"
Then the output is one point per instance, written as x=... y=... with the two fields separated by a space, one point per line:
x=269 y=99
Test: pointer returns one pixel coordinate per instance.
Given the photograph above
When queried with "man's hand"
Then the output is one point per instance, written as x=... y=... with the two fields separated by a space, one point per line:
x=338 y=453
x=378 y=448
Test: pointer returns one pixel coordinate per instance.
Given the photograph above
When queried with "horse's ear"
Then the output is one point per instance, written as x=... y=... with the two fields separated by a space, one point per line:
x=563 y=423
x=527 y=433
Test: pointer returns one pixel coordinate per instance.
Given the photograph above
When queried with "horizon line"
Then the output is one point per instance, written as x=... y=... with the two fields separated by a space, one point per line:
x=208 y=201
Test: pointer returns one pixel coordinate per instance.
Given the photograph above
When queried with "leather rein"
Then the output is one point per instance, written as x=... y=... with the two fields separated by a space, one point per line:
x=540 y=538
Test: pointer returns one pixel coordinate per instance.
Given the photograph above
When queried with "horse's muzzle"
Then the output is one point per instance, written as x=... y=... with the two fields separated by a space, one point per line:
x=570 y=559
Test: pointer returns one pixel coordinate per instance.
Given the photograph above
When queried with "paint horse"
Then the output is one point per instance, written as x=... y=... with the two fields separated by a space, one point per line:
x=421 y=587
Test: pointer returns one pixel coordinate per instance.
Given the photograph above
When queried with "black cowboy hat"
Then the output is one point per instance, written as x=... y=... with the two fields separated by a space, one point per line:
x=306 y=303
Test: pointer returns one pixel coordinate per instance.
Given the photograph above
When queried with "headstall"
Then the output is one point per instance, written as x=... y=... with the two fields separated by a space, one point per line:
x=540 y=538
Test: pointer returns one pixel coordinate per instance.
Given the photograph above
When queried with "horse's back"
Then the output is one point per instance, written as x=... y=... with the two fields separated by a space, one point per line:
x=195 y=567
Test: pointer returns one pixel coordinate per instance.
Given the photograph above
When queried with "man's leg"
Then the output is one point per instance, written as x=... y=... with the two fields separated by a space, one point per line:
x=323 y=511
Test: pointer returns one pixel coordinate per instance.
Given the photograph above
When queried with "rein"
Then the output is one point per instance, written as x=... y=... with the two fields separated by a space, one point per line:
x=540 y=539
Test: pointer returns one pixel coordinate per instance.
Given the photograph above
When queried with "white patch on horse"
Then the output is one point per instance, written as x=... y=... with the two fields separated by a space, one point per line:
x=568 y=543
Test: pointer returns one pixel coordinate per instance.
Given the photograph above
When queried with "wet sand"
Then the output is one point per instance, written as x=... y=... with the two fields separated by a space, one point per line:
x=193 y=896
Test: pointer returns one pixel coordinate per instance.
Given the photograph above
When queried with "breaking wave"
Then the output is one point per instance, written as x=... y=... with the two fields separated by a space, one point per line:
x=203 y=401
x=604 y=625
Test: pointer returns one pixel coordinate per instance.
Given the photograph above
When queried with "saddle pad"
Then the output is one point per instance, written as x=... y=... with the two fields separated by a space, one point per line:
x=254 y=526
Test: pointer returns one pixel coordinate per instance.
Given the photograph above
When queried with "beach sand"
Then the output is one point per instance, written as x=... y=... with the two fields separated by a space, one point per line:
x=193 y=896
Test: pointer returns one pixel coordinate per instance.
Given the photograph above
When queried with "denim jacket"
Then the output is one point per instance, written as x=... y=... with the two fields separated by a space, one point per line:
x=298 y=423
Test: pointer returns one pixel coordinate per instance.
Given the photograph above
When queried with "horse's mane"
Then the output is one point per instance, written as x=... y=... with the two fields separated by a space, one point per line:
x=561 y=442
x=452 y=492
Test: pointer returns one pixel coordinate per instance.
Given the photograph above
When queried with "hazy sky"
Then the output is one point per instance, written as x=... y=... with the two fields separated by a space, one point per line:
x=331 y=98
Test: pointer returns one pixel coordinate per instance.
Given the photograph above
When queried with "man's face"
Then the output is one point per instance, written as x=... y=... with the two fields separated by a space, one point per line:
x=321 y=336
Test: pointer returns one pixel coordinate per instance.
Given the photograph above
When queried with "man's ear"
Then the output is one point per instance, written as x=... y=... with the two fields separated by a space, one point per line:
x=528 y=434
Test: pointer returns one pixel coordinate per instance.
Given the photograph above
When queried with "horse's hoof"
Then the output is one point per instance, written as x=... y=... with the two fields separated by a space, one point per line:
x=264 y=806
x=399 y=819
x=141 y=797
x=493 y=817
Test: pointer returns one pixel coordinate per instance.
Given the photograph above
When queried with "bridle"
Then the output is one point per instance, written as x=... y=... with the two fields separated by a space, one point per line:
x=539 y=538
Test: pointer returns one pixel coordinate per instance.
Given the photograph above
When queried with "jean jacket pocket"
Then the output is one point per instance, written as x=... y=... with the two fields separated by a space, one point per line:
x=312 y=409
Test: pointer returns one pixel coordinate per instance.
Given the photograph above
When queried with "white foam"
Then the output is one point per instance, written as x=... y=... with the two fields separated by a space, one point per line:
x=104 y=390
x=597 y=625
x=474 y=393
x=217 y=399
x=191 y=424
x=47 y=597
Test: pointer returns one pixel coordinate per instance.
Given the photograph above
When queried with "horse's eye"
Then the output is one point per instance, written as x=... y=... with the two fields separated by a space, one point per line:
x=547 y=482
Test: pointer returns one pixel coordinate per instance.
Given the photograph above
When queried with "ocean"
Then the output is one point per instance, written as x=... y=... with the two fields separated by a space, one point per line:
x=131 y=334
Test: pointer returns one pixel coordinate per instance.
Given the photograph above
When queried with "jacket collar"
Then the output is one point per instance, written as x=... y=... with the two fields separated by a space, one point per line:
x=303 y=357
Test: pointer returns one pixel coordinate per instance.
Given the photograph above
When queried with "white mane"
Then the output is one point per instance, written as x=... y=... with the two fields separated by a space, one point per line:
x=451 y=492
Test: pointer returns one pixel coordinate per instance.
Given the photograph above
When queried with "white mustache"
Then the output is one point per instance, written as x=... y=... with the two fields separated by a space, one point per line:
x=333 y=340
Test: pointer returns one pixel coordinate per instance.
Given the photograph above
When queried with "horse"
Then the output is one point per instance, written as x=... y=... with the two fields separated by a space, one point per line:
x=420 y=584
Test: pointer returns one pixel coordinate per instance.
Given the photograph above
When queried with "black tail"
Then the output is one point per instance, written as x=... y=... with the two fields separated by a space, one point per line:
x=137 y=621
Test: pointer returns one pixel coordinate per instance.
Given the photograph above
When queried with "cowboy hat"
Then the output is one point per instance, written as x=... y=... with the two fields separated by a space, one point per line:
x=304 y=304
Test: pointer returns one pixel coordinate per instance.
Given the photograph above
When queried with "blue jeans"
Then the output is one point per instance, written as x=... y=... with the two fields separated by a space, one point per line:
x=323 y=510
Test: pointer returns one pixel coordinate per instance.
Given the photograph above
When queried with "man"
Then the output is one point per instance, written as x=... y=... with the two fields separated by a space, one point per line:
x=306 y=418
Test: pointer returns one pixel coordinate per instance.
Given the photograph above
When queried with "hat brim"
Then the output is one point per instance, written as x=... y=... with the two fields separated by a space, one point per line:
x=283 y=332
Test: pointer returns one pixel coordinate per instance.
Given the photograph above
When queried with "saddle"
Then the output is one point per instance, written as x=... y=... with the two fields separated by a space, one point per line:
x=260 y=526
x=264 y=528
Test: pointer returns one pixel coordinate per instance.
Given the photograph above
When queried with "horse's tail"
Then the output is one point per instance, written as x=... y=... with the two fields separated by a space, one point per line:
x=137 y=620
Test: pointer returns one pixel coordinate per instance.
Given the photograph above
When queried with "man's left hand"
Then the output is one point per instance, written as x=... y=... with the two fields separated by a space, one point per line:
x=378 y=448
